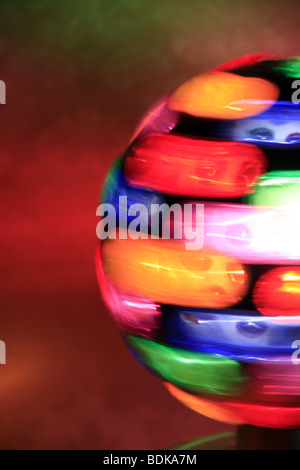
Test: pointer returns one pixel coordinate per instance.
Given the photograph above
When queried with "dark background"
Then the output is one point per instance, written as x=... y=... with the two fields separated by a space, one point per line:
x=79 y=74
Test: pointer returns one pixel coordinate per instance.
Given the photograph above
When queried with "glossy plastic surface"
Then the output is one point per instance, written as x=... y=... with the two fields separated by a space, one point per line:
x=194 y=167
x=217 y=322
x=167 y=273
x=224 y=95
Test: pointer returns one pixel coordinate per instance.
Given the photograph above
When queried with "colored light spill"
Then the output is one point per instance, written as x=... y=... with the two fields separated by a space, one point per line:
x=277 y=188
x=251 y=234
x=263 y=415
x=194 y=167
x=244 y=61
x=131 y=313
x=224 y=95
x=159 y=118
x=277 y=292
x=164 y=271
x=241 y=335
x=278 y=126
x=207 y=373
x=115 y=185
x=289 y=68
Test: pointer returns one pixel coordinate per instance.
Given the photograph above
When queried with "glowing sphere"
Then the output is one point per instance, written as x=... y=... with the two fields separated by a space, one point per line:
x=218 y=321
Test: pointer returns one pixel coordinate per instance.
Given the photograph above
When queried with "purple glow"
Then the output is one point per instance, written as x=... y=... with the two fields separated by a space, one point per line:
x=275 y=378
x=252 y=234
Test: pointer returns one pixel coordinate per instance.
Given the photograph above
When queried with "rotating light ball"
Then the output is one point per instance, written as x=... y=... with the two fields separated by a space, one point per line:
x=218 y=325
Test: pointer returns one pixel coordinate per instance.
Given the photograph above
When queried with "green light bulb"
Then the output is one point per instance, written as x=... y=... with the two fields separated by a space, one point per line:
x=193 y=371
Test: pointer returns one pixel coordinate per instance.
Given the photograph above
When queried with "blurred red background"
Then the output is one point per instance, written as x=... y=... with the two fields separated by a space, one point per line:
x=78 y=76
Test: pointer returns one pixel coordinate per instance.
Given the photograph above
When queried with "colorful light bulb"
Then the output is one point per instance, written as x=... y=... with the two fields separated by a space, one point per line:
x=250 y=234
x=179 y=287
x=244 y=61
x=279 y=379
x=194 y=167
x=224 y=95
x=243 y=336
x=159 y=118
x=164 y=271
x=207 y=373
x=264 y=415
x=131 y=313
x=116 y=186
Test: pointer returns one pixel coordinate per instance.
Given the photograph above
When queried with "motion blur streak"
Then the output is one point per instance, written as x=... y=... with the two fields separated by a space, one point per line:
x=164 y=271
x=249 y=233
x=194 y=167
x=237 y=97
x=198 y=372
x=236 y=413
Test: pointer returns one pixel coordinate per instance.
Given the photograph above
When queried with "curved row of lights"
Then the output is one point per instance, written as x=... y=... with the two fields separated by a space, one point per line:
x=216 y=325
